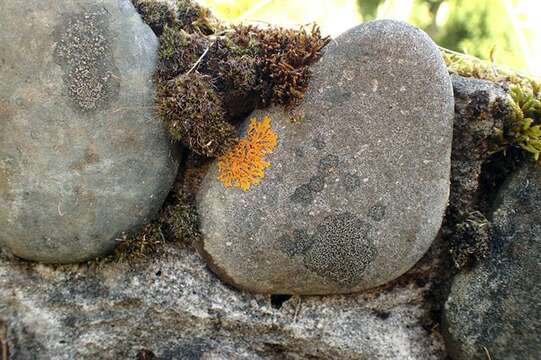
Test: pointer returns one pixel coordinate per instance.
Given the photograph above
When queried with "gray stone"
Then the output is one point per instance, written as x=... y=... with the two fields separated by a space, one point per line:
x=494 y=310
x=357 y=188
x=83 y=157
x=173 y=307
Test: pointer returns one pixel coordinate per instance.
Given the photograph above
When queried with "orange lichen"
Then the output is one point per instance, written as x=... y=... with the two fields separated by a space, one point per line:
x=244 y=166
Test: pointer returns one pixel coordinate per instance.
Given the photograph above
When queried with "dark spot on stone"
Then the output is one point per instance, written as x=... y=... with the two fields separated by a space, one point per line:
x=145 y=354
x=302 y=195
x=319 y=143
x=84 y=52
x=421 y=281
x=341 y=249
x=328 y=163
x=377 y=212
x=299 y=152
x=159 y=273
x=338 y=96
x=383 y=315
x=277 y=300
x=317 y=183
x=295 y=243
x=351 y=182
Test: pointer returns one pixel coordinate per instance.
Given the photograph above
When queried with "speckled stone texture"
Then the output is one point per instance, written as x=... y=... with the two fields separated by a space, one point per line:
x=495 y=308
x=358 y=184
x=83 y=157
x=171 y=307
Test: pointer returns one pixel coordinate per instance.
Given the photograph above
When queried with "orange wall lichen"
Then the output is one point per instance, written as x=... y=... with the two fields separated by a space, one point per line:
x=244 y=165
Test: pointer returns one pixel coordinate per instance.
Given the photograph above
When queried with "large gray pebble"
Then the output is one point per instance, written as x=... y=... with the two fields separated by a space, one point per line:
x=82 y=156
x=495 y=310
x=357 y=188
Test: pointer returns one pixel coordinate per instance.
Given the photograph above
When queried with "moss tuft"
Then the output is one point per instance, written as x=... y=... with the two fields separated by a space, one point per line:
x=147 y=241
x=285 y=56
x=470 y=241
x=192 y=18
x=155 y=14
x=194 y=114
x=178 y=51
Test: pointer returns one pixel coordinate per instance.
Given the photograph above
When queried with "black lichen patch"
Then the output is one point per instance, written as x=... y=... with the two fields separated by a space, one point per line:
x=351 y=182
x=341 y=249
x=317 y=183
x=302 y=195
x=319 y=143
x=296 y=243
x=377 y=212
x=305 y=193
x=84 y=52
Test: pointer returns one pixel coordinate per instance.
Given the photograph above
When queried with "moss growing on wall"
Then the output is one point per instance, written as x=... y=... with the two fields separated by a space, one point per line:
x=233 y=69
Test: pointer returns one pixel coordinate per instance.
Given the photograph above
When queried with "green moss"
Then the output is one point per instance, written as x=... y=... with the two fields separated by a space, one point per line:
x=178 y=51
x=524 y=127
x=194 y=114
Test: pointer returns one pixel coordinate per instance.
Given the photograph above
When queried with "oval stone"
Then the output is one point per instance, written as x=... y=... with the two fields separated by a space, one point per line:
x=358 y=181
x=83 y=157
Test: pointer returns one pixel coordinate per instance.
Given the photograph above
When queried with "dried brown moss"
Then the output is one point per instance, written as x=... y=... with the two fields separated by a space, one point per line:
x=284 y=56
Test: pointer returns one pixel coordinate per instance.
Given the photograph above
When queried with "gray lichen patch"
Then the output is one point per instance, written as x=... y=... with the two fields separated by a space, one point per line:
x=84 y=52
x=328 y=164
x=341 y=249
x=351 y=182
x=302 y=195
x=377 y=212
x=296 y=243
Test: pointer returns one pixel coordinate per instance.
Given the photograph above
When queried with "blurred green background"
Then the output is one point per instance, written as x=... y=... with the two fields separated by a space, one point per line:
x=511 y=27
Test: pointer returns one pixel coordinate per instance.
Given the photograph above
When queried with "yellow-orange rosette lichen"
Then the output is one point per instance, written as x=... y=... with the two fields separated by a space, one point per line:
x=244 y=165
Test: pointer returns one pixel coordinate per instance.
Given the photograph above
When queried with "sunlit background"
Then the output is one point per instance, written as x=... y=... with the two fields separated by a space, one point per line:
x=511 y=27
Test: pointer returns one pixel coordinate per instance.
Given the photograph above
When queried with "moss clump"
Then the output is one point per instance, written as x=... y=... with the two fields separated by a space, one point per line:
x=194 y=114
x=178 y=51
x=284 y=57
x=524 y=127
x=234 y=69
x=470 y=241
x=146 y=241
x=155 y=14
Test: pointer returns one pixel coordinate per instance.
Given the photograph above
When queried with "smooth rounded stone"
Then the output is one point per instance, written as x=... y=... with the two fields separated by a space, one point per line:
x=494 y=310
x=359 y=179
x=83 y=157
